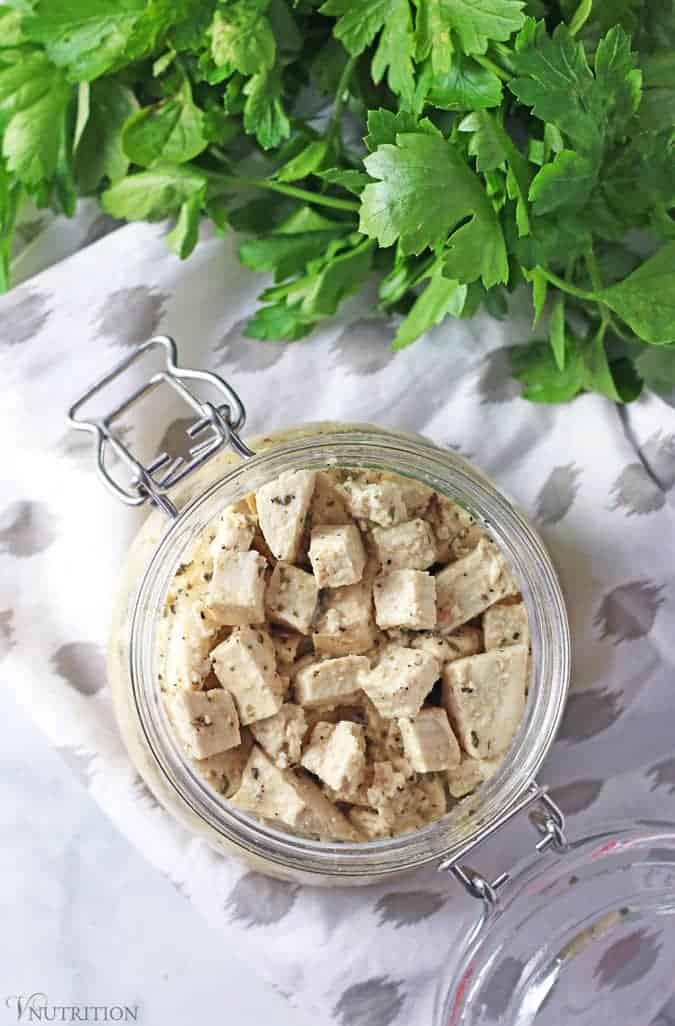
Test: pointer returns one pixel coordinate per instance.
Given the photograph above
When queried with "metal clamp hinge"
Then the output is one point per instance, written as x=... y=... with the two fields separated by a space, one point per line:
x=547 y=819
x=216 y=425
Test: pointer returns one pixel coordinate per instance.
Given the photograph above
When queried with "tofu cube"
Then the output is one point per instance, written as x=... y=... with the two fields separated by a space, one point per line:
x=245 y=664
x=331 y=682
x=463 y=642
x=206 y=721
x=405 y=598
x=281 y=796
x=224 y=770
x=268 y=791
x=416 y=496
x=291 y=597
x=234 y=532
x=345 y=623
x=337 y=754
x=401 y=681
x=281 y=735
x=485 y=698
x=506 y=625
x=237 y=588
x=187 y=648
x=327 y=504
x=337 y=555
x=410 y=545
x=429 y=742
x=448 y=519
x=282 y=507
x=471 y=585
x=470 y=774
x=286 y=646
x=380 y=501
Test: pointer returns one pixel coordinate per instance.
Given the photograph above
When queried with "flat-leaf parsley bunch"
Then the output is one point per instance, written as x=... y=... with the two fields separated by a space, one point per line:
x=454 y=148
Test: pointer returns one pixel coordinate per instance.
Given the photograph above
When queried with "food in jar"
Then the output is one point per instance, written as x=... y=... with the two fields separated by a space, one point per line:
x=344 y=654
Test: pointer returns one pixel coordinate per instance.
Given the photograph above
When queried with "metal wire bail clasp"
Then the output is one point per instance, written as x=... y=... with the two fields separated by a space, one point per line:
x=544 y=815
x=216 y=425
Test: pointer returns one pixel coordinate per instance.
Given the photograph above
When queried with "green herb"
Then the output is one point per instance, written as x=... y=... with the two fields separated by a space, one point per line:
x=502 y=144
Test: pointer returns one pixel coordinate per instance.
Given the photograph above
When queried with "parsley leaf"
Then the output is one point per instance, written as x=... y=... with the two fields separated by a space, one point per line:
x=264 y=114
x=33 y=99
x=395 y=50
x=286 y=255
x=87 y=38
x=566 y=182
x=473 y=24
x=171 y=131
x=153 y=194
x=182 y=239
x=242 y=37
x=535 y=367
x=442 y=296
x=466 y=85
x=99 y=151
x=646 y=298
x=424 y=190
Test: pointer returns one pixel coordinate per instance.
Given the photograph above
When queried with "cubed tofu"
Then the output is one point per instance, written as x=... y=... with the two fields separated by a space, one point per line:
x=336 y=754
x=245 y=664
x=284 y=796
x=467 y=588
x=206 y=721
x=379 y=501
x=401 y=681
x=413 y=807
x=470 y=774
x=327 y=505
x=405 y=598
x=330 y=682
x=387 y=783
x=485 y=698
x=237 y=589
x=269 y=792
x=416 y=496
x=465 y=641
x=448 y=519
x=287 y=646
x=281 y=735
x=282 y=507
x=429 y=742
x=323 y=819
x=224 y=770
x=409 y=545
x=189 y=637
x=291 y=597
x=466 y=541
x=506 y=625
x=337 y=555
x=345 y=622
x=234 y=532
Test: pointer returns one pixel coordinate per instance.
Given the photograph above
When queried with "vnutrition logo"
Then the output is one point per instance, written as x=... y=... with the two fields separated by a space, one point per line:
x=36 y=1007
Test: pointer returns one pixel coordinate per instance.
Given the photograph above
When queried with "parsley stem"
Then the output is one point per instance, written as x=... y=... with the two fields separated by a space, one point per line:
x=489 y=65
x=304 y=194
x=566 y=286
x=286 y=190
x=340 y=97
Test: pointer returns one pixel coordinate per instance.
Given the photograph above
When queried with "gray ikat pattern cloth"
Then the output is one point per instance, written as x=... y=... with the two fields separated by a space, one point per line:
x=600 y=486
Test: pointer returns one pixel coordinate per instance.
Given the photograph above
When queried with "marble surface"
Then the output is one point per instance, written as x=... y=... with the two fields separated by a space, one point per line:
x=86 y=920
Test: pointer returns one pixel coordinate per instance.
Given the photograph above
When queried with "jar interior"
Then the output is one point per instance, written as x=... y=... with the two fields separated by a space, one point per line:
x=470 y=820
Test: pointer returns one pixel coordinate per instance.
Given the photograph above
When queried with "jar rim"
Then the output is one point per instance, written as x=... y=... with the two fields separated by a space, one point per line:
x=472 y=818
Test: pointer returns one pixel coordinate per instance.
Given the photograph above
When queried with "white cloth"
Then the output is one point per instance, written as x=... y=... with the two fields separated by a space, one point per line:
x=600 y=486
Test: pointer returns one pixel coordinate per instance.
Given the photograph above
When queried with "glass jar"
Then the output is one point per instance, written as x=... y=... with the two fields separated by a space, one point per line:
x=161 y=546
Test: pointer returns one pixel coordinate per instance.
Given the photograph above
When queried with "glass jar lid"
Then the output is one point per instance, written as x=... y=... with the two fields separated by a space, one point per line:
x=583 y=936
